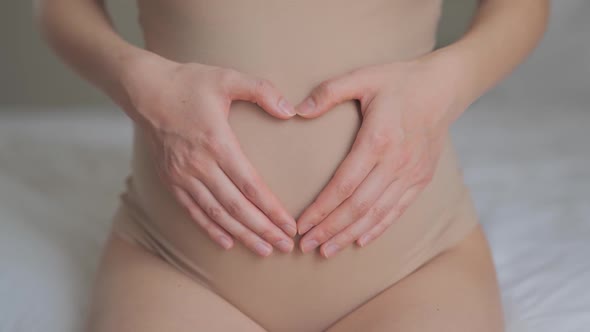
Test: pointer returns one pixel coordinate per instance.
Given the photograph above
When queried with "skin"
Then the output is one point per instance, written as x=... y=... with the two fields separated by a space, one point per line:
x=407 y=109
x=405 y=118
x=193 y=146
x=198 y=156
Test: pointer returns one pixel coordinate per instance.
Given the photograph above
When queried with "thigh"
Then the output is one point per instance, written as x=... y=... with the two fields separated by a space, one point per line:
x=456 y=291
x=136 y=290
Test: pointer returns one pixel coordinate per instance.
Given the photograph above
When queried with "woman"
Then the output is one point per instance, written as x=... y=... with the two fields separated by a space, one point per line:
x=260 y=126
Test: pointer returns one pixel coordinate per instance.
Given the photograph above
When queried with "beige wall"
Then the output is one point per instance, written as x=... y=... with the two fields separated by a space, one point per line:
x=31 y=75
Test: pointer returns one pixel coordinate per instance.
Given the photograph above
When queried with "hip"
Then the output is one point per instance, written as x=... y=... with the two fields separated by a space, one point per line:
x=441 y=216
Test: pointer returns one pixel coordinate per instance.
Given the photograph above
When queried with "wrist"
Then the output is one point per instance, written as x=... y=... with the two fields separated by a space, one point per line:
x=115 y=69
x=141 y=76
x=133 y=62
x=451 y=69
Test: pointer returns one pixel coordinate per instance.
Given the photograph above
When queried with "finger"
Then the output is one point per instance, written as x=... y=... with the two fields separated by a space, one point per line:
x=415 y=179
x=349 y=211
x=203 y=197
x=329 y=93
x=242 y=210
x=215 y=232
x=400 y=207
x=365 y=152
x=381 y=209
x=260 y=91
x=238 y=168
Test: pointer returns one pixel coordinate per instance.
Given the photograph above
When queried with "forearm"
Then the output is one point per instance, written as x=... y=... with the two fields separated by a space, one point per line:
x=501 y=36
x=81 y=34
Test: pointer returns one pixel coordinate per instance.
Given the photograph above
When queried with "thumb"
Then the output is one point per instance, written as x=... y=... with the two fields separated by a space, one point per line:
x=331 y=92
x=262 y=92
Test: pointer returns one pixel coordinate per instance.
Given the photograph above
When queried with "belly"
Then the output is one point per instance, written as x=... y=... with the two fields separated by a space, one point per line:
x=297 y=292
x=297 y=157
x=296 y=48
x=296 y=45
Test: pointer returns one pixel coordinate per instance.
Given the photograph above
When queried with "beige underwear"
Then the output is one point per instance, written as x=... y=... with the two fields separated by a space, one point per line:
x=295 y=44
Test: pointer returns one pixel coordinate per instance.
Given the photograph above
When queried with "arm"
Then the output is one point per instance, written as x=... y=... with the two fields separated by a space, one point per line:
x=81 y=33
x=407 y=108
x=501 y=36
x=183 y=109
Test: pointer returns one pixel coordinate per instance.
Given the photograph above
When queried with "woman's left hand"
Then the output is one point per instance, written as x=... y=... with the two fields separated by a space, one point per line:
x=406 y=109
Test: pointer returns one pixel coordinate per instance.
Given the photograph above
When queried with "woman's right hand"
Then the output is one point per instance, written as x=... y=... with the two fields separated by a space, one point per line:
x=184 y=109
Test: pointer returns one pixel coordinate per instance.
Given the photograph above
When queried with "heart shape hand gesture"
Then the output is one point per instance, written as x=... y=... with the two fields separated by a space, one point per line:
x=405 y=108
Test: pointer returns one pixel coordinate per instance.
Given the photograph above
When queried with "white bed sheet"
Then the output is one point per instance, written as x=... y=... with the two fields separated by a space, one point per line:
x=524 y=149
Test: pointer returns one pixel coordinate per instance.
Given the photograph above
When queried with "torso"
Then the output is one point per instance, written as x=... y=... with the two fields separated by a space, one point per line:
x=296 y=45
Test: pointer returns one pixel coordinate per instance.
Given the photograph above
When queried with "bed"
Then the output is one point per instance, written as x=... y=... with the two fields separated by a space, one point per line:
x=523 y=147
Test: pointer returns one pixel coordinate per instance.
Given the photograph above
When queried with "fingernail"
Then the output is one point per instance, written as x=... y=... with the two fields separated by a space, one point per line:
x=225 y=242
x=284 y=245
x=364 y=240
x=331 y=249
x=304 y=229
x=309 y=245
x=307 y=107
x=286 y=108
x=289 y=229
x=263 y=248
